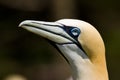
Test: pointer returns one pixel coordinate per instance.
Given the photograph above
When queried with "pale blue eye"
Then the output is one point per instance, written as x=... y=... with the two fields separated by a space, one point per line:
x=75 y=32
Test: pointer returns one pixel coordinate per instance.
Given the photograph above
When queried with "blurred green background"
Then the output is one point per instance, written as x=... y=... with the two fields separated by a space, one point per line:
x=31 y=56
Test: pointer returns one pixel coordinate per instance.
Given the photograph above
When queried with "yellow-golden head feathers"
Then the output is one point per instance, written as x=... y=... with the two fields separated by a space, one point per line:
x=89 y=37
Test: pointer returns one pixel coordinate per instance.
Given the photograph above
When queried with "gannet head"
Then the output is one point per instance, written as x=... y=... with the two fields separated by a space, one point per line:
x=69 y=31
x=79 y=42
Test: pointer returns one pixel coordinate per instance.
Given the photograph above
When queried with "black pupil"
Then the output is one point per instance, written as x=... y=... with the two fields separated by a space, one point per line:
x=75 y=30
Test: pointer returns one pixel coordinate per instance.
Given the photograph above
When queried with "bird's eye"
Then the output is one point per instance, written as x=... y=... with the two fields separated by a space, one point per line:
x=75 y=32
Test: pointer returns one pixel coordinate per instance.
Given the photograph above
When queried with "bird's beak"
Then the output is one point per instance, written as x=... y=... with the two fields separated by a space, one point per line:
x=51 y=30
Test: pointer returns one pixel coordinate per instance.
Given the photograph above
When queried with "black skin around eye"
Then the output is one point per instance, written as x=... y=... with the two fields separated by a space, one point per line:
x=71 y=33
x=68 y=30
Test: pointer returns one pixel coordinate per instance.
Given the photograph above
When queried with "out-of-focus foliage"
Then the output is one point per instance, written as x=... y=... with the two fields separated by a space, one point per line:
x=24 y=53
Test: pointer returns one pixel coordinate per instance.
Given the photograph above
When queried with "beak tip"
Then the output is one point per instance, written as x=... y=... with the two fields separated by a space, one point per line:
x=24 y=22
x=20 y=25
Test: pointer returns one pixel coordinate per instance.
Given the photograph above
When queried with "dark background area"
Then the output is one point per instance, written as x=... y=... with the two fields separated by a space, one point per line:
x=31 y=56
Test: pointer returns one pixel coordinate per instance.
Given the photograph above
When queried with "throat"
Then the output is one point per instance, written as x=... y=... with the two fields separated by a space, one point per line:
x=81 y=66
x=77 y=59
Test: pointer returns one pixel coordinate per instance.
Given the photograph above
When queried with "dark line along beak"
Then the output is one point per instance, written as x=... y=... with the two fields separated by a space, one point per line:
x=50 y=30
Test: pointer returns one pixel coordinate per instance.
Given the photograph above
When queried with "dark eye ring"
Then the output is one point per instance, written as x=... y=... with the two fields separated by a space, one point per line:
x=75 y=32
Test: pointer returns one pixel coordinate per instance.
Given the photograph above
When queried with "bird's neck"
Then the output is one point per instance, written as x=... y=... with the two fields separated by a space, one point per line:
x=82 y=67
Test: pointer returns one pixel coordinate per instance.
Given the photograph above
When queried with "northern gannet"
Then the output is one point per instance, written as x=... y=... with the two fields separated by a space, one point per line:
x=78 y=41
